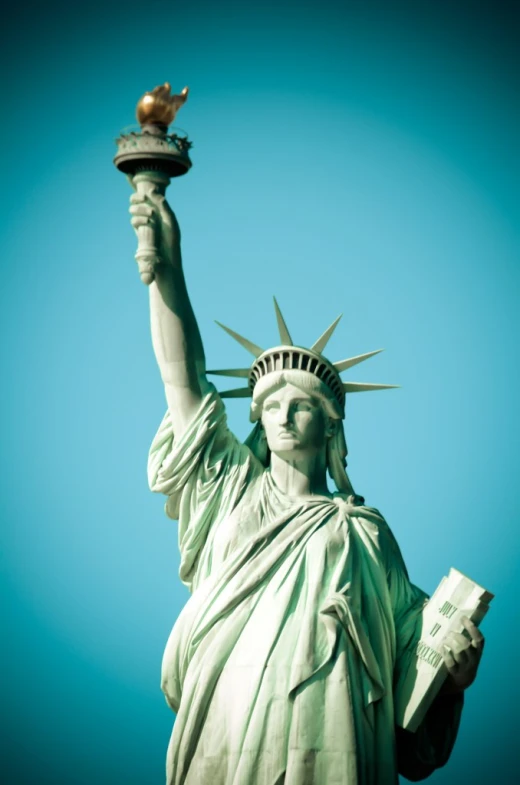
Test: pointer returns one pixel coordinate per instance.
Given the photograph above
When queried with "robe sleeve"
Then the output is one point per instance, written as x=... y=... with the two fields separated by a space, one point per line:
x=419 y=753
x=203 y=474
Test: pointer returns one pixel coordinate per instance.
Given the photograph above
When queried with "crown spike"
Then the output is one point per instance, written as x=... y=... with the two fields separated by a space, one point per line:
x=255 y=350
x=240 y=392
x=324 y=339
x=350 y=387
x=285 y=336
x=242 y=373
x=342 y=365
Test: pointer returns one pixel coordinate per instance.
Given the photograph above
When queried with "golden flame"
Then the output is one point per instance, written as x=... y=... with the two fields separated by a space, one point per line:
x=159 y=107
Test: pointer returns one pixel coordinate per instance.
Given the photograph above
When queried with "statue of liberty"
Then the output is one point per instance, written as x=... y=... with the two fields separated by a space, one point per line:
x=282 y=665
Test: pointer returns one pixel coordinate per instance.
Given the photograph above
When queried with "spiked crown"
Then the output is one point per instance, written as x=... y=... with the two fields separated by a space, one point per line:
x=287 y=356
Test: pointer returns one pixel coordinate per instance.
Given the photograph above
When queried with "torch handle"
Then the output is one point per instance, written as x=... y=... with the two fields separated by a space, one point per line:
x=147 y=254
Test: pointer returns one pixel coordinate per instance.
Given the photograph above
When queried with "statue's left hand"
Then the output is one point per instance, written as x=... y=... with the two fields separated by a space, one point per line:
x=462 y=655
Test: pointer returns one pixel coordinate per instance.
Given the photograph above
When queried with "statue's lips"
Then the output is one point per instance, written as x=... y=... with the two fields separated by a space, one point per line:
x=287 y=435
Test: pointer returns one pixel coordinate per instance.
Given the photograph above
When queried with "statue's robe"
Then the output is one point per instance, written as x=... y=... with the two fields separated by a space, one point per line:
x=280 y=667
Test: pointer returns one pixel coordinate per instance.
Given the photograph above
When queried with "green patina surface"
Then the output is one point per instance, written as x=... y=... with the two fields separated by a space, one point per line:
x=282 y=664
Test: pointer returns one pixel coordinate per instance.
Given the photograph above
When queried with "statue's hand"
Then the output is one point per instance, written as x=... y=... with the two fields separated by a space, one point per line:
x=462 y=655
x=150 y=208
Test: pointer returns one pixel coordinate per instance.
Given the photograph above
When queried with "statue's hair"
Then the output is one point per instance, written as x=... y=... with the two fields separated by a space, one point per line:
x=307 y=382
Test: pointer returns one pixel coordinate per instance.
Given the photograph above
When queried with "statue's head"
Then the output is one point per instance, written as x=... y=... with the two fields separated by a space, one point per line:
x=296 y=414
x=298 y=399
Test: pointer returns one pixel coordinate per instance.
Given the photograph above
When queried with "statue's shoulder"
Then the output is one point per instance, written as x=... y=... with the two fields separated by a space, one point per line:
x=356 y=507
x=372 y=520
x=374 y=515
x=387 y=541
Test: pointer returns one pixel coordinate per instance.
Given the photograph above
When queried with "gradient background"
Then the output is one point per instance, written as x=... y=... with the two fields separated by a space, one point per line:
x=356 y=157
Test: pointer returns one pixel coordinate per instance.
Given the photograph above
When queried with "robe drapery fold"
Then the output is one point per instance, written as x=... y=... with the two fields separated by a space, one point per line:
x=282 y=663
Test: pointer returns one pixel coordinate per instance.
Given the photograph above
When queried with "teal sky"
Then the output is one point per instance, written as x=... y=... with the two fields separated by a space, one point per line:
x=357 y=158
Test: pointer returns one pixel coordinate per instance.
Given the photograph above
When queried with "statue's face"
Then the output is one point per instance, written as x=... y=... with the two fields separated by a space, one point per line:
x=294 y=422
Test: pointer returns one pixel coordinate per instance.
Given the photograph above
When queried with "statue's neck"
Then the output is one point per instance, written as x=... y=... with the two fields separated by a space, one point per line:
x=305 y=476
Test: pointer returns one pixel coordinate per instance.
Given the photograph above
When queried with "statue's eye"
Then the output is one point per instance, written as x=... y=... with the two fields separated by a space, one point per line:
x=272 y=406
x=304 y=406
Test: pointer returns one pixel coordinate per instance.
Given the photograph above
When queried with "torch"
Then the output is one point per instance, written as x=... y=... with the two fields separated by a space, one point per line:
x=151 y=158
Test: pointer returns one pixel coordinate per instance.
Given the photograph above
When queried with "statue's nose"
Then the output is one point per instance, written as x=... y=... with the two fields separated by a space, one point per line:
x=284 y=415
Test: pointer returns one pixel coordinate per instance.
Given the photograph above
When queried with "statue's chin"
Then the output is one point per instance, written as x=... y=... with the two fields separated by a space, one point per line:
x=291 y=450
x=285 y=443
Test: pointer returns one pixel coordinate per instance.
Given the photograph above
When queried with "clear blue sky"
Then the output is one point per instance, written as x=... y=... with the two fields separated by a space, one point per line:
x=357 y=158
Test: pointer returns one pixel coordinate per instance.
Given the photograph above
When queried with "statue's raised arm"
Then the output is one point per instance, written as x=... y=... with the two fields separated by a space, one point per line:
x=150 y=159
x=175 y=334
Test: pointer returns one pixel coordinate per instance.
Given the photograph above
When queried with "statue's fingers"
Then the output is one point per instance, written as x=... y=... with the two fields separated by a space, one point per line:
x=137 y=198
x=461 y=656
x=141 y=209
x=152 y=193
x=165 y=211
x=473 y=656
x=477 y=639
x=457 y=641
x=479 y=645
x=449 y=659
x=140 y=220
x=159 y=203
